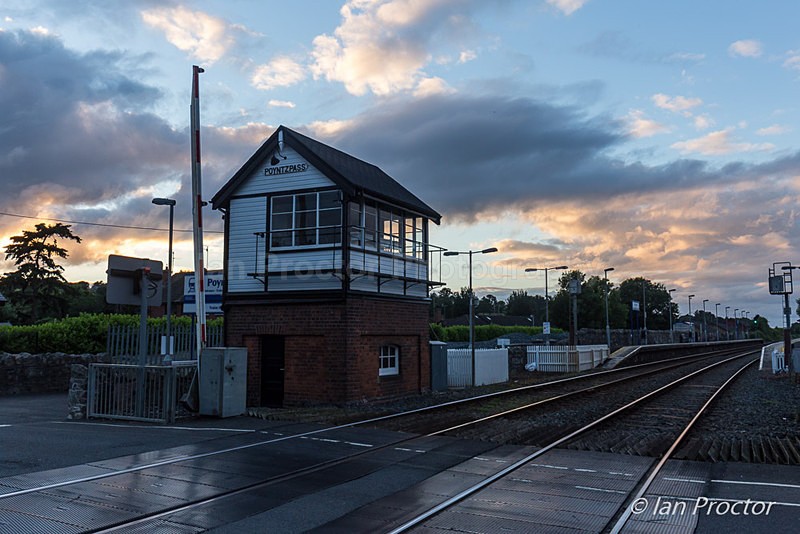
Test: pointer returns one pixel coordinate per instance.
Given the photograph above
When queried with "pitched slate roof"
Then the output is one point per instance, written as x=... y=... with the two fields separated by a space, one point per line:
x=350 y=173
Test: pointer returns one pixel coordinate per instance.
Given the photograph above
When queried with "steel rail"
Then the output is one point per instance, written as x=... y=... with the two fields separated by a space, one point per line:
x=123 y=525
x=628 y=509
x=521 y=462
x=372 y=420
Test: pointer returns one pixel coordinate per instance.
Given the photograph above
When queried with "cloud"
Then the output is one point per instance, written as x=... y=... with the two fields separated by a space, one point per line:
x=682 y=57
x=746 y=48
x=775 y=129
x=282 y=71
x=383 y=46
x=568 y=7
x=432 y=86
x=718 y=143
x=281 y=104
x=469 y=156
x=93 y=151
x=201 y=35
x=466 y=56
x=675 y=104
x=639 y=126
x=792 y=61
x=703 y=122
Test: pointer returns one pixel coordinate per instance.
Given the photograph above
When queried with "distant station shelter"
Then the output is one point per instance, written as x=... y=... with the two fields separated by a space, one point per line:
x=327 y=275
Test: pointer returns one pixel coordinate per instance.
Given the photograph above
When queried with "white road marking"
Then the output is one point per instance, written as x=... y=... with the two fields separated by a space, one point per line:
x=747 y=483
x=681 y=479
x=551 y=466
x=191 y=428
x=603 y=490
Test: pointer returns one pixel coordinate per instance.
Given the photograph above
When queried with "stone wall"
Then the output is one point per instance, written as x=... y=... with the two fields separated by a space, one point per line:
x=40 y=373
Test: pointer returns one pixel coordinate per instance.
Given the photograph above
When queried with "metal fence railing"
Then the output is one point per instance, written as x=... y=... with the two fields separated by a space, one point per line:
x=566 y=359
x=138 y=393
x=122 y=345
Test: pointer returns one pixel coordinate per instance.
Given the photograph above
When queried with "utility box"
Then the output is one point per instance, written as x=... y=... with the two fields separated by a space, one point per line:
x=223 y=381
x=438 y=366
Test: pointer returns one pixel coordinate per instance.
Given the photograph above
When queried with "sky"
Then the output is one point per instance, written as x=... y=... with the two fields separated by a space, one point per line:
x=657 y=138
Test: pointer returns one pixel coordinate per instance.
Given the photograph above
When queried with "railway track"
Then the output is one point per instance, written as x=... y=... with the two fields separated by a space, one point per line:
x=74 y=496
x=623 y=416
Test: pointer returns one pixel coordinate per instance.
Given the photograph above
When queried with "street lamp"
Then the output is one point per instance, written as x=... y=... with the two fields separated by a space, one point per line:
x=546 y=296
x=727 y=326
x=735 y=324
x=471 y=298
x=608 y=328
x=745 y=315
x=690 y=317
x=671 y=328
x=171 y=203
x=716 y=318
x=705 y=327
x=741 y=316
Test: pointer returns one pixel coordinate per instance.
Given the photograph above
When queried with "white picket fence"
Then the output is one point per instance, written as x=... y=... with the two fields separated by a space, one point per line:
x=491 y=367
x=565 y=359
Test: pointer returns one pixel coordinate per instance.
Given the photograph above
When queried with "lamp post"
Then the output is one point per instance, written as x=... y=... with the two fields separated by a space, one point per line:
x=735 y=324
x=744 y=325
x=608 y=327
x=669 y=312
x=691 y=318
x=741 y=316
x=546 y=296
x=471 y=298
x=171 y=203
x=705 y=326
x=716 y=319
x=727 y=326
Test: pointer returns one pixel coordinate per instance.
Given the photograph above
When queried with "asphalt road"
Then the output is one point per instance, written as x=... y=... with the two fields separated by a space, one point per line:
x=35 y=434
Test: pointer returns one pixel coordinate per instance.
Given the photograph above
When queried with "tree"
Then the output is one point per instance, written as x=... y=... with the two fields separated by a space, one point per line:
x=522 y=304
x=560 y=306
x=489 y=304
x=37 y=288
x=653 y=299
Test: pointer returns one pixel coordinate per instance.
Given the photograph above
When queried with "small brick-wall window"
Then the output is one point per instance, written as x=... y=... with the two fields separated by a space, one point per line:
x=389 y=361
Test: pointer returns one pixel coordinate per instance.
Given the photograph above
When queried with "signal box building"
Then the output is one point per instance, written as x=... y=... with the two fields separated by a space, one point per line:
x=327 y=276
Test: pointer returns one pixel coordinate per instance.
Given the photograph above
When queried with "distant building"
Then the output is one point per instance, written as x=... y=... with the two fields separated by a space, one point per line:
x=326 y=275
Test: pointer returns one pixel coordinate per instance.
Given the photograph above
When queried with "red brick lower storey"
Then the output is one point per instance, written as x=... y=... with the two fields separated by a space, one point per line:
x=331 y=351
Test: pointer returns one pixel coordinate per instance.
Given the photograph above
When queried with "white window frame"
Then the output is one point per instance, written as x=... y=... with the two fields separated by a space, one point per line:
x=294 y=229
x=387 y=355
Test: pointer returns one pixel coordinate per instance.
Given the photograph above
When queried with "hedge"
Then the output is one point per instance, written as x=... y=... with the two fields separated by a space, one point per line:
x=482 y=332
x=85 y=334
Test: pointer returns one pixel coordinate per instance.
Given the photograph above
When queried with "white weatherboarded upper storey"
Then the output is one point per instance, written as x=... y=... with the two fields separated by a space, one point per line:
x=307 y=217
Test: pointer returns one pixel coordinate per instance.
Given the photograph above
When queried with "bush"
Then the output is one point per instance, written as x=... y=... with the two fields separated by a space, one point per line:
x=85 y=334
x=482 y=332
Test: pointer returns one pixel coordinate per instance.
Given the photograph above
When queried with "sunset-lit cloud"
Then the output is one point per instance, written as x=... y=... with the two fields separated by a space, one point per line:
x=746 y=48
x=775 y=129
x=383 y=47
x=676 y=104
x=282 y=71
x=639 y=126
x=202 y=36
x=719 y=143
x=555 y=136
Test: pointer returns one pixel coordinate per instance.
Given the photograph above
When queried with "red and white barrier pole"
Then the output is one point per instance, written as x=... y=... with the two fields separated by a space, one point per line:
x=197 y=213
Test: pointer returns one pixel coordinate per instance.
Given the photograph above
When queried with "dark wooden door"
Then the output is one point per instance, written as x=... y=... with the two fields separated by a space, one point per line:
x=273 y=361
